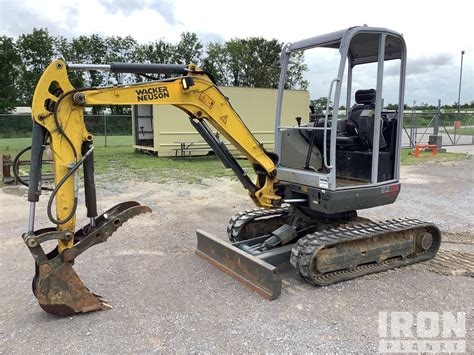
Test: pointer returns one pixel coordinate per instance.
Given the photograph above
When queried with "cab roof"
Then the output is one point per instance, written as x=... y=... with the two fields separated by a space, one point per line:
x=363 y=42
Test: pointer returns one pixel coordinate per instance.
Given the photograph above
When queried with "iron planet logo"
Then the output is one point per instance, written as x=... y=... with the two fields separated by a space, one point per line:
x=422 y=332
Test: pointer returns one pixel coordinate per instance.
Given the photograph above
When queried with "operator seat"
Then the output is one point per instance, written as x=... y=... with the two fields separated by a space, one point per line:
x=348 y=137
x=356 y=132
x=365 y=99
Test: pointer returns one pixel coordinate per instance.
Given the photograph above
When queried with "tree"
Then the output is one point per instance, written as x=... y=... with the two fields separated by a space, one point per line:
x=119 y=49
x=160 y=52
x=10 y=63
x=65 y=50
x=216 y=63
x=392 y=107
x=90 y=49
x=188 y=50
x=296 y=69
x=263 y=68
x=320 y=105
x=235 y=64
x=253 y=62
x=154 y=52
x=36 y=51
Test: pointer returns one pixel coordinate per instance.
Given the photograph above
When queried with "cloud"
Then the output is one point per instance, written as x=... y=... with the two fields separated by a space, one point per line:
x=128 y=7
x=207 y=37
x=22 y=18
x=428 y=64
x=421 y=65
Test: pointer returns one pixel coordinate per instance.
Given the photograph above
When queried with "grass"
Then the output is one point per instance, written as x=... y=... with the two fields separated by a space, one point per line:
x=120 y=163
x=408 y=159
x=15 y=144
x=124 y=162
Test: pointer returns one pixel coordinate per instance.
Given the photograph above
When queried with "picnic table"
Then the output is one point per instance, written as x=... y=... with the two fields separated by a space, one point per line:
x=187 y=147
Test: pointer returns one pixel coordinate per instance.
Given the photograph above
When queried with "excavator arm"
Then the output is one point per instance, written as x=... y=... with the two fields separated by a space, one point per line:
x=58 y=114
x=194 y=94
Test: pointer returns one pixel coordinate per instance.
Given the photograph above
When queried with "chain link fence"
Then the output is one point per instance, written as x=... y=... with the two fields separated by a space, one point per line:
x=108 y=130
x=116 y=130
x=453 y=128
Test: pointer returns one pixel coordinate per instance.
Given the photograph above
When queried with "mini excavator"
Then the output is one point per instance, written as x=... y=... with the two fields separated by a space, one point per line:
x=307 y=191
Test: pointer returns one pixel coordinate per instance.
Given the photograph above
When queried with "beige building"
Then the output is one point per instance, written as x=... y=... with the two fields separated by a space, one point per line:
x=164 y=129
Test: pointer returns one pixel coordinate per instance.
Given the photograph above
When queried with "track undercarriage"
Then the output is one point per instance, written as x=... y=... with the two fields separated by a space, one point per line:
x=322 y=251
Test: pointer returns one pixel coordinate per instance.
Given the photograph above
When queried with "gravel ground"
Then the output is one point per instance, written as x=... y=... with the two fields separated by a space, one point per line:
x=167 y=299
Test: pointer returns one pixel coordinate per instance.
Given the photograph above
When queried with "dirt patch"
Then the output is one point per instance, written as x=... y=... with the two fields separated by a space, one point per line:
x=448 y=262
x=459 y=237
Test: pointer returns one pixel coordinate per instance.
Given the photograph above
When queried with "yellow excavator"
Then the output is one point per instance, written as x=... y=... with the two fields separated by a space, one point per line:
x=307 y=191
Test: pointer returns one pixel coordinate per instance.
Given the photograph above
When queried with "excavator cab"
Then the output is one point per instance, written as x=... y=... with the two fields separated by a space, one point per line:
x=351 y=160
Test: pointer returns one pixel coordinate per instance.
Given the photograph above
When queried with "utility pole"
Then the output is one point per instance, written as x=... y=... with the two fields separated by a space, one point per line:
x=459 y=99
x=460 y=81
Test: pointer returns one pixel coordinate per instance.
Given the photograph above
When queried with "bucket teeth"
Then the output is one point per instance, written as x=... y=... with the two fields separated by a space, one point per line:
x=61 y=292
x=56 y=285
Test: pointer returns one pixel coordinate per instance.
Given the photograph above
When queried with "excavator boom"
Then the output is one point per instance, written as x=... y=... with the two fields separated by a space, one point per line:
x=58 y=113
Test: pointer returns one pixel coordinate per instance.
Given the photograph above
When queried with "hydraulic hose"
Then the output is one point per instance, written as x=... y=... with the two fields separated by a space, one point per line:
x=58 y=186
x=71 y=171
x=16 y=168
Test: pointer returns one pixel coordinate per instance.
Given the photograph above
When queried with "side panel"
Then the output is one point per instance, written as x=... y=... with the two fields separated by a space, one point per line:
x=331 y=202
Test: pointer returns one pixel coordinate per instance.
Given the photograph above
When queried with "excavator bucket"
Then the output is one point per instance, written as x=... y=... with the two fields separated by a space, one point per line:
x=61 y=292
x=56 y=285
x=257 y=274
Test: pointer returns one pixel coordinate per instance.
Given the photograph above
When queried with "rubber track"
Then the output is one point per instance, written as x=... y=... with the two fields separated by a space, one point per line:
x=307 y=247
x=243 y=218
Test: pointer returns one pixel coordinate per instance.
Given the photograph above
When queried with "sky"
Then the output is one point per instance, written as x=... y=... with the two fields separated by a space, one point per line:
x=435 y=31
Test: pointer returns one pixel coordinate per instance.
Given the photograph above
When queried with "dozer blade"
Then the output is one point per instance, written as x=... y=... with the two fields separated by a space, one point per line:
x=254 y=273
x=56 y=285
